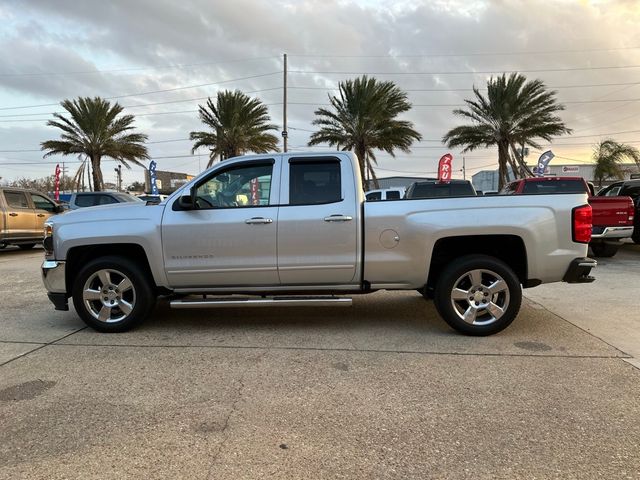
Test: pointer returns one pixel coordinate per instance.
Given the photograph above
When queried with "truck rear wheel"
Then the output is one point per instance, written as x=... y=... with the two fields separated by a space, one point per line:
x=602 y=249
x=112 y=294
x=478 y=295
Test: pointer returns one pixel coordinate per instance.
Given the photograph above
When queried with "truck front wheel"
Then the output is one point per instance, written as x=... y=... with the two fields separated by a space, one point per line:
x=478 y=295
x=112 y=294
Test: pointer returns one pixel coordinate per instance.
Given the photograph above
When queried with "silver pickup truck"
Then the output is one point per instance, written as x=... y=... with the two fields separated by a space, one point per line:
x=293 y=229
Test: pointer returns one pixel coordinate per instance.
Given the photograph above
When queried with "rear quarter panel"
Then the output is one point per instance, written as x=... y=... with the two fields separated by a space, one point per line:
x=543 y=222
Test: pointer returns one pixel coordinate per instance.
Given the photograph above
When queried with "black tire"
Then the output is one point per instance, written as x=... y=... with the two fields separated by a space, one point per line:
x=601 y=249
x=636 y=235
x=26 y=246
x=507 y=294
x=426 y=292
x=139 y=298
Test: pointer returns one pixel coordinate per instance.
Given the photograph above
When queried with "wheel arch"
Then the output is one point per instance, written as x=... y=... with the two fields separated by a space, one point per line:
x=78 y=257
x=508 y=248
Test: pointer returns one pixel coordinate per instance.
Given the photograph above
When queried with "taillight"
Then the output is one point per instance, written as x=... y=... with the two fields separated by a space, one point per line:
x=582 y=224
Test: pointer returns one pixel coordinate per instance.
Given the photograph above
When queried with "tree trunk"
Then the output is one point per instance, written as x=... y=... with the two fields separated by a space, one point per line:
x=97 y=173
x=503 y=159
x=361 y=154
x=373 y=175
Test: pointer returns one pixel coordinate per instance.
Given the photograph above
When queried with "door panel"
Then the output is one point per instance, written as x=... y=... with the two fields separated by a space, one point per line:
x=230 y=240
x=44 y=208
x=317 y=224
x=20 y=217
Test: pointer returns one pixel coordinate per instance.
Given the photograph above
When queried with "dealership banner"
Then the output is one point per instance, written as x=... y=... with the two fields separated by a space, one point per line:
x=153 y=179
x=543 y=161
x=444 y=168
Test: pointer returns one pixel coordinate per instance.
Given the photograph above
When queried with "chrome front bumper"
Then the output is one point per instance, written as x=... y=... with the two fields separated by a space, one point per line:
x=53 y=276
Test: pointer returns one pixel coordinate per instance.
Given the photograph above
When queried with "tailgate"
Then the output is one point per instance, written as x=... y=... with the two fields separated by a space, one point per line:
x=612 y=211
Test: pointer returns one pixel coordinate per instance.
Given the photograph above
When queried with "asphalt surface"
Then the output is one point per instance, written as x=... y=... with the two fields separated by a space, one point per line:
x=380 y=390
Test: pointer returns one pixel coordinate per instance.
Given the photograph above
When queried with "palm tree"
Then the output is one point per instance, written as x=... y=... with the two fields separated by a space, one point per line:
x=240 y=125
x=515 y=112
x=363 y=119
x=608 y=155
x=96 y=130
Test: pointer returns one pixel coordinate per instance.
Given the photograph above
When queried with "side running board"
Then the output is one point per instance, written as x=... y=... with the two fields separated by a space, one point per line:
x=231 y=302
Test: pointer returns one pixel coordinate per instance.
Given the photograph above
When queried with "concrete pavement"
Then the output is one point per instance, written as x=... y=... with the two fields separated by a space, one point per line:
x=382 y=390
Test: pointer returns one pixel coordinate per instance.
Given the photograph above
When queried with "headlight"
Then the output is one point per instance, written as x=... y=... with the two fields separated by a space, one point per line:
x=47 y=242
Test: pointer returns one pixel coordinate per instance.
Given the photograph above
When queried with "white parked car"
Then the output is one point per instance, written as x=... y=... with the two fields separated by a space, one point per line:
x=385 y=194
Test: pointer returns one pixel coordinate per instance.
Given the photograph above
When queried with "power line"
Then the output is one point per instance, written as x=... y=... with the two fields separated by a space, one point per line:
x=137 y=105
x=481 y=89
x=127 y=69
x=467 y=72
x=155 y=91
x=472 y=54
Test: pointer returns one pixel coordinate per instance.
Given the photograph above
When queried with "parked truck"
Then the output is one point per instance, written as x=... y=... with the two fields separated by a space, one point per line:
x=22 y=216
x=293 y=229
x=613 y=216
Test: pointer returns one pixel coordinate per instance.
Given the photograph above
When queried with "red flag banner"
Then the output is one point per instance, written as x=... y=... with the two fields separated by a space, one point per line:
x=57 y=192
x=444 y=168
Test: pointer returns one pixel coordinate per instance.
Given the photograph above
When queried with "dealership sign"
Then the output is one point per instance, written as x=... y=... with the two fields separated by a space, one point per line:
x=567 y=169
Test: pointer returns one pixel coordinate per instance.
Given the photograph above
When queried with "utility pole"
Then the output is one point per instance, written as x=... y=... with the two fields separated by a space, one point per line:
x=284 y=105
x=464 y=169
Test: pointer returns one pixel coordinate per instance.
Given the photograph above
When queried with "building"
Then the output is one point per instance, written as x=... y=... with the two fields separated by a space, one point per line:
x=167 y=182
x=487 y=180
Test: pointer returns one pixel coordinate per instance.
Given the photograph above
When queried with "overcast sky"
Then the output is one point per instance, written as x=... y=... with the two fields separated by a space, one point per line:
x=435 y=50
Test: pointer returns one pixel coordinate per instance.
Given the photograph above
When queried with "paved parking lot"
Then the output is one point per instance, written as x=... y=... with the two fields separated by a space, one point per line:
x=380 y=390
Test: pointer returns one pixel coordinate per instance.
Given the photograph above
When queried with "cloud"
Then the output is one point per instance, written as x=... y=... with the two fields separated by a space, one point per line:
x=218 y=41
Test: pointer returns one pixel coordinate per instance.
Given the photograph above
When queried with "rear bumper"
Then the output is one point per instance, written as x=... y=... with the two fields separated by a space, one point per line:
x=612 y=232
x=578 y=271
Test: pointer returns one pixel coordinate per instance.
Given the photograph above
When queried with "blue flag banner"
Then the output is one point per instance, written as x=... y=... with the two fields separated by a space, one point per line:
x=152 y=177
x=543 y=161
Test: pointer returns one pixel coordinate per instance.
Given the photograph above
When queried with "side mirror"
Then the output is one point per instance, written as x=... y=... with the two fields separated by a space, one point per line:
x=186 y=202
x=58 y=209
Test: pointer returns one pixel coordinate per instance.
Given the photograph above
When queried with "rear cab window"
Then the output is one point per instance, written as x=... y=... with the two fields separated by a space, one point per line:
x=374 y=196
x=543 y=187
x=393 y=194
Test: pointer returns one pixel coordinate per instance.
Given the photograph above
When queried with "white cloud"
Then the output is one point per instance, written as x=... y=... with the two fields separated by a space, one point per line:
x=71 y=36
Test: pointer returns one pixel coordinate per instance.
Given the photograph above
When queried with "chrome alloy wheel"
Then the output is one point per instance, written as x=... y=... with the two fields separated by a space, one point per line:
x=109 y=295
x=480 y=297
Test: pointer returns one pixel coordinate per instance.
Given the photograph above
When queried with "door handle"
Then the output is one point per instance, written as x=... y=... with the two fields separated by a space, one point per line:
x=257 y=221
x=41 y=215
x=338 y=218
x=12 y=214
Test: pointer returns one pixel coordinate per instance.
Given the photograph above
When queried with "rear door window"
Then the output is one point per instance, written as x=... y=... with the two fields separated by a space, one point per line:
x=314 y=182
x=16 y=199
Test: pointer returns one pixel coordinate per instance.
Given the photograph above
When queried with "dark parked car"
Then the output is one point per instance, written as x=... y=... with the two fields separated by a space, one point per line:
x=628 y=188
x=432 y=188
x=91 y=199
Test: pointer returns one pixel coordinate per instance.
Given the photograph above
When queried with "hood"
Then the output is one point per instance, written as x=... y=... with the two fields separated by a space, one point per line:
x=116 y=211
